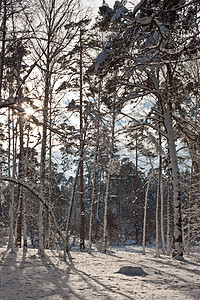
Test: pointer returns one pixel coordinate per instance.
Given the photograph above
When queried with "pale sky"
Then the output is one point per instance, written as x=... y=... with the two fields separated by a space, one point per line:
x=94 y=4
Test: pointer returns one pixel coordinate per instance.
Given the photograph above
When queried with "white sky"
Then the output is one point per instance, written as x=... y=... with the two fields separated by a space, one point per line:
x=94 y=4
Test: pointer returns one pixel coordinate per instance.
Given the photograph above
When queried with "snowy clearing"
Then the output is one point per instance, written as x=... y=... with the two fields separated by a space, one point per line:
x=95 y=276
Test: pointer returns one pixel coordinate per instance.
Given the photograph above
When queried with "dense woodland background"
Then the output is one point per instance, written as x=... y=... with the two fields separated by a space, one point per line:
x=100 y=133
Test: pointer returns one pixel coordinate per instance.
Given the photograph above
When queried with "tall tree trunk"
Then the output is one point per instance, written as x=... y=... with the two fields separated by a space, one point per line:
x=177 y=219
x=177 y=229
x=18 y=239
x=49 y=238
x=92 y=208
x=189 y=215
x=98 y=196
x=66 y=247
x=11 y=185
x=82 y=227
x=161 y=197
x=136 y=187
x=43 y=161
x=25 y=241
x=3 y=45
x=44 y=129
x=157 y=253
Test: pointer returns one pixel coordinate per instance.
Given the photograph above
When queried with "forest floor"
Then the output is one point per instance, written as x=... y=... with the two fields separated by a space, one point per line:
x=94 y=276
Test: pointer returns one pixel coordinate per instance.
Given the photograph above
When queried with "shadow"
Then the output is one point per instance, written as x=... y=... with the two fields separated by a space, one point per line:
x=89 y=279
x=181 y=265
x=24 y=276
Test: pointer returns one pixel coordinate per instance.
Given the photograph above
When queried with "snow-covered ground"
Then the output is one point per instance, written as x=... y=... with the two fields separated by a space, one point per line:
x=94 y=276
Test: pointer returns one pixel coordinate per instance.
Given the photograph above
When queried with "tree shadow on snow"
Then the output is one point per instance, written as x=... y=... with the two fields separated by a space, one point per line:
x=97 y=286
x=182 y=265
x=33 y=277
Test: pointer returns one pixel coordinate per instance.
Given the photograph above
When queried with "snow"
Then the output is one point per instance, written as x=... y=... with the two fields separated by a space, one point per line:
x=96 y=276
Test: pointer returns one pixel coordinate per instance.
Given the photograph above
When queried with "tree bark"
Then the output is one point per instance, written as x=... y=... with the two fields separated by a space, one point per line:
x=161 y=198
x=3 y=45
x=105 y=227
x=92 y=208
x=145 y=215
x=82 y=227
x=66 y=246
x=157 y=253
x=168 y=218
x=177 y=229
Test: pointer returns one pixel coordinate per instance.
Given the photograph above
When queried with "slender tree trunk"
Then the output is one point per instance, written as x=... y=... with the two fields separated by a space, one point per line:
x=50 y=182
x=11 y=209
x=43 y=164
x=157 y=254
x=189 y=215
x=145 y=215
x=18 y=240
x=12 y=195
x=94 y=183
x=136 y=187
x=66 y=248
x=25 y=242
x=161 y=198
x=92 y=208
x=82 y=227
x=105 y=227
x=44 y=137
x=168 y=219
x=3 y=45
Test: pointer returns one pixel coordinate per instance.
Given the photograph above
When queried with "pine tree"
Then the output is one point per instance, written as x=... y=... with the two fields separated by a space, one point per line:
x=154 y=44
